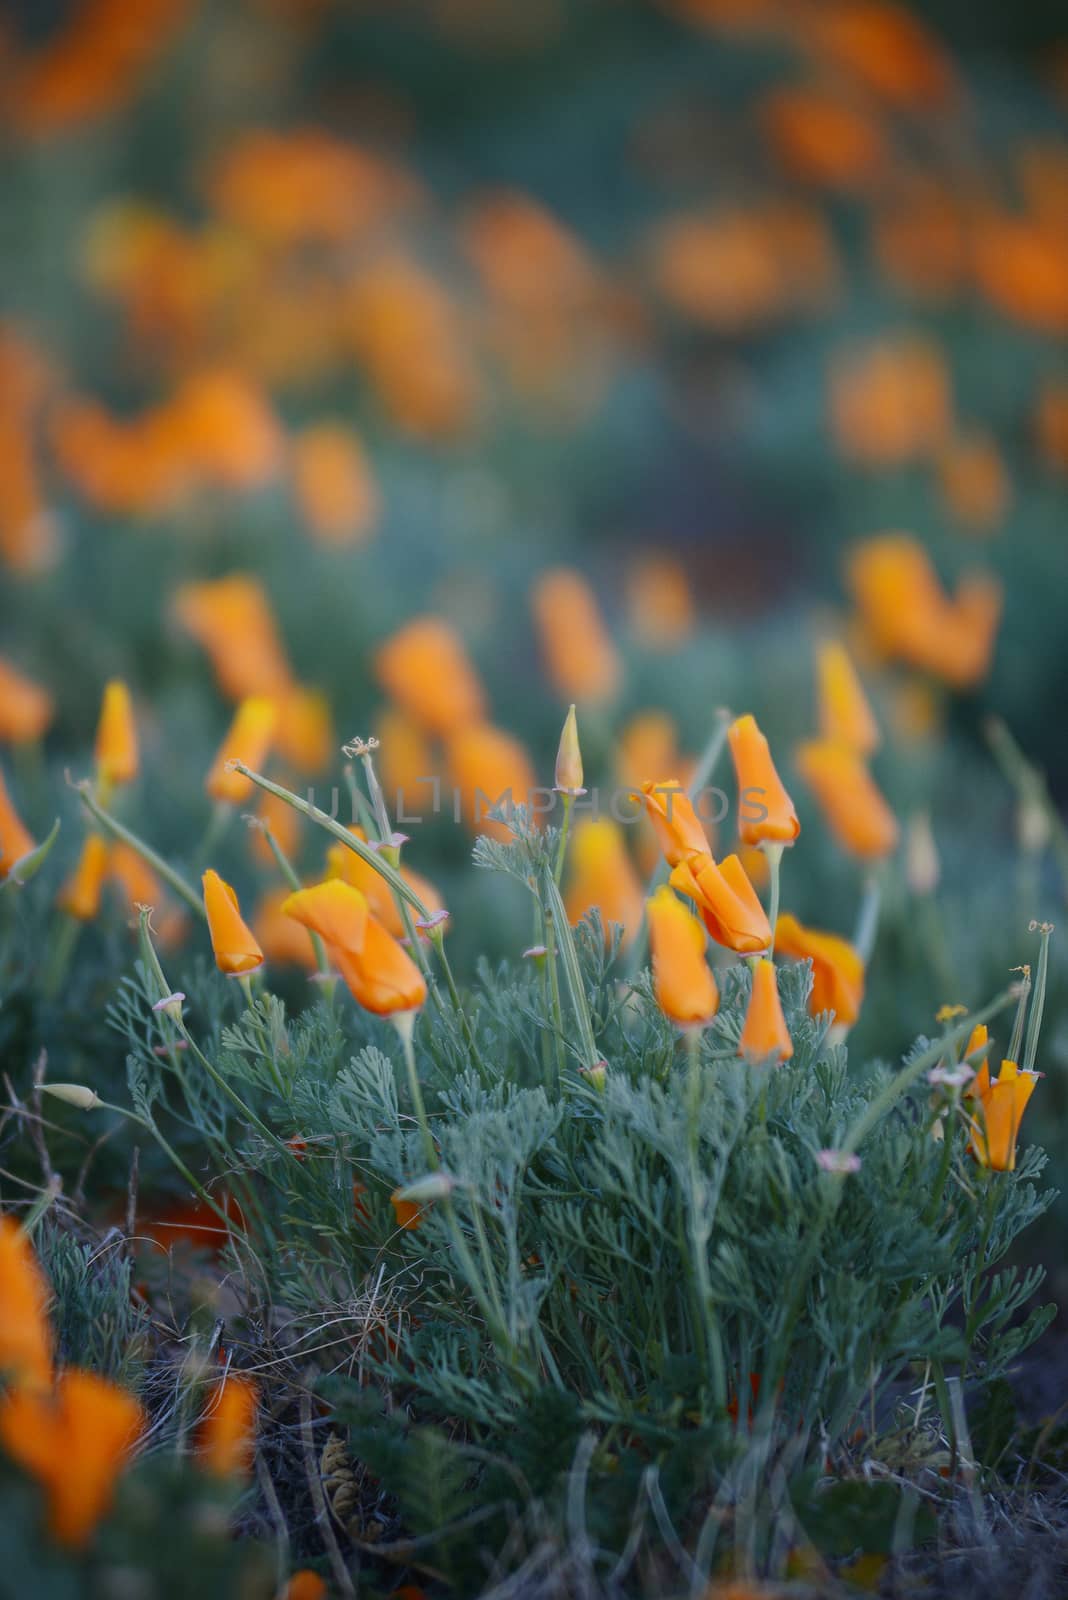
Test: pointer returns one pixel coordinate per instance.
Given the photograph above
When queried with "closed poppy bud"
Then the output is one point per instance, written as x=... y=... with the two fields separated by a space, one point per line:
x=844 y=712
x=852 y=805
x=75 y=1442
x=425 y=669
x=996 y=1120
x=765 y=1032
x=25 y=708
x=381 y=976
x=80 y=895
x=227 y=1436
x=837 y=969
x=603 y=875
x=248 y=739
x=334 y=910
x=489 y=768
x=581 y=660
x=304 y=733
x=682 y=981
x=674 y=820
x=766 y=812
x=25 y=1331
x=727 y=901
x=116 y=736
x=336 y=493
x=569 y=758
x=16 y=840
x=235 y=947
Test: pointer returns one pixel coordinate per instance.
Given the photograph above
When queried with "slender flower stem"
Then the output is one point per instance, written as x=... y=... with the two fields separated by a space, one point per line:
x=118 y=830
x=1038 y=1003
x=773 y=851
x=404 y=1022
x=572 y=970
x=549 y=922
x=868 y=918
x=565 y=829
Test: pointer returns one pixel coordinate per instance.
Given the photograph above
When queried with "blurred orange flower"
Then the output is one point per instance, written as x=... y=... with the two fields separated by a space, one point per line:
x=853 y=807
x=117 y=758
x=25 y=1330
x=890 y=401
x=75 y=1442
x=822 y=139
x=226 y=1439
x=80 y=895
x=582 y=662
x=26 y=710
x=231 y=618
x=844 y=712
x=974 y=482
x=16 y=840
x=247 y=739
x=659 y=602
x=487 y=767
x=602 y=875
x=337 y=496
x=426 y=670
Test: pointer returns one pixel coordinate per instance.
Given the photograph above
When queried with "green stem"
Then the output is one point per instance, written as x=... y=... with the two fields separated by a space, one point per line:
x=774 y=855
x=573 y=971
x=565 y=829
x=404 y=1022
x=59 y=954
x=1038 y=1002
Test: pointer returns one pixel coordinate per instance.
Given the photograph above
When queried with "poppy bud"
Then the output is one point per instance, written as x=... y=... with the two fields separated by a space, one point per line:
x=765 y=1032
x=569 y=758
x=766 y=812
x=682 y=980
x=235 y=947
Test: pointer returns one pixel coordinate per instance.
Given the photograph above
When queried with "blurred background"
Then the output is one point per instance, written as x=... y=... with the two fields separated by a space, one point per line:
x=393 y=308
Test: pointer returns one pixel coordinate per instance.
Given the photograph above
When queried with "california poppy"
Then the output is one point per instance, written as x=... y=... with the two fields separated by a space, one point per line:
x=226 y=1439
x=844 y=712
x=334 y=910
x=678 y=829
x=16 y=840
x=234 y=944
x=852 y=805
x=25 y=1330
x=728 y=903
x=766 y=812
x=117 y=758
x=426 y=670
x=488 y=768
x=837 y=968
x=80 y=895
x=682 y=980
x=26 y=710
x=580 y=658
x=996 y=1121
x=765 y=1032
x=248 y=739
x=381 y=976
x=603 y=876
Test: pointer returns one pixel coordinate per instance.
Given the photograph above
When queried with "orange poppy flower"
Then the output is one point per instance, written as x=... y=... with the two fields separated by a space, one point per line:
x=853 y=808
x=837 y=969
x=305 y=1585
x=16 y=840
x=727 y=901
x=582 y=662
x=80 y=895
x=248 y=739
x=116 y=737
x=337 y=496
x=765 y=1032
x=227 y=430
x=284 y=942
x=844 y=712
x=407 y=1212
x=381 y=977
x=488 y=767
x=226 y=1439
x=996 y=1122
x=979 y=1039
x=75 y=1442
x=231 y=619
x=678 y=829
x=346 y=864
x=235 y=947
x=26 y=710
x=682 y=981
x=526 y=258
x=1020 y=267
x=334 y=910
x=426 y=670
x=603 y=875
x=25 y=1330
x=910 y=618
x=760 y=789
